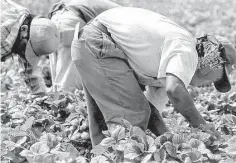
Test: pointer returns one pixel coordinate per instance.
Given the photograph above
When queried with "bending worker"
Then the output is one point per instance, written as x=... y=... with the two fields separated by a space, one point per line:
x=30 y=37
x=126 y=47
x=66 y=14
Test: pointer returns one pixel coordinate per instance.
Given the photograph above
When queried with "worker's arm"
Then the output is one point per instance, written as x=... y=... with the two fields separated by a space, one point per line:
x=32 y=77
x=182 y=101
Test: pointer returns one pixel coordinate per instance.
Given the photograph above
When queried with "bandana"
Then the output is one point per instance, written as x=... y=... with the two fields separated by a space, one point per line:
x=210 y=53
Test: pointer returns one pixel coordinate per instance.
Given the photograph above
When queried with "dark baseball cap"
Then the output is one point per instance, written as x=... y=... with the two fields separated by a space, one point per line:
x=228 y=53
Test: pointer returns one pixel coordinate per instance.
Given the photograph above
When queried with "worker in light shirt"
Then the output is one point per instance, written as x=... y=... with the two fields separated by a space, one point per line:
x=124 y=49
x=66 y=14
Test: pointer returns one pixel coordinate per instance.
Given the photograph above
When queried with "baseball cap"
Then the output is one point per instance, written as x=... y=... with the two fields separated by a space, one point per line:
x=43 y=39
x=229 y=54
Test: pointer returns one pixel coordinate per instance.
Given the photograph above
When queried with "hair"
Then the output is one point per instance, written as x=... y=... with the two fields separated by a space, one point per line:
x=20 y=43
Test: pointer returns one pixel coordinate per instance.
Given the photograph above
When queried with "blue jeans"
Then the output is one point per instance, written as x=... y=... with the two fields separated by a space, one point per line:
x=108 y=81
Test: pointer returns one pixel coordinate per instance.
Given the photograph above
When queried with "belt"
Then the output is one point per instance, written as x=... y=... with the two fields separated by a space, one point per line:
x=101 y=27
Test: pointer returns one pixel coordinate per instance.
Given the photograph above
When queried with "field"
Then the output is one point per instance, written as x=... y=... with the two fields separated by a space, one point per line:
x=54 y=128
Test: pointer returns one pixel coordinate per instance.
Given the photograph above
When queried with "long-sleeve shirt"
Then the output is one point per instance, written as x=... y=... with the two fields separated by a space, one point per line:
x=13 y=16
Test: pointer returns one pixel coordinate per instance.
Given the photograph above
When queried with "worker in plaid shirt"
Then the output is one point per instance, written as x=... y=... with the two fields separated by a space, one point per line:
x=28 y=36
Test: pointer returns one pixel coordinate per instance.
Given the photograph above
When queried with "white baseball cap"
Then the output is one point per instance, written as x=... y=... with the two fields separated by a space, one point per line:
x=43 y=39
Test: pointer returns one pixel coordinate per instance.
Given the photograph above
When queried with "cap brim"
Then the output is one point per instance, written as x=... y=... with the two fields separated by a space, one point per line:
x=31 y=57
x=223 y=85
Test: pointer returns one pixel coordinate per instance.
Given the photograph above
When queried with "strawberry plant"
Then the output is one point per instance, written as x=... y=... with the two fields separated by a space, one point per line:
x=54 y=127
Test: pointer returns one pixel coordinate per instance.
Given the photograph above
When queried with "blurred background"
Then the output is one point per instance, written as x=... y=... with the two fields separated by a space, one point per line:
x=198 y=16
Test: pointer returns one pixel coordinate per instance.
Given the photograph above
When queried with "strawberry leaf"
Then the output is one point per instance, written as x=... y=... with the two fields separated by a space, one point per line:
x=168 y=136
x=81 y=159
x=136 y=131
x=138 y=146
x=40 y=148
x=151 y=144
x=195 y=155
x=214 y=157
x=170 y=148
x=120 y=146
x=50 y=139
x=234 y=119
x=147 y=158
x=232 y=141
x=106 y=133
x=157 y=142
x=35 y=133
x=162 y=154
x=127 y=124
x=27 y=153
x=157 y=156
x=204 y=136
x=18 y=132
x=28 y=124
x=163 y=139
x=10 y=145
x=107 y=142
x=178 y=139
x=21 y=141
x=132 y=151
x=203 y=149
x=185 y=148
x=63 y=156
x=99 y=159
x=182 y=156
x=49 y=158
x=187 y=160
x=194 y=143
x=72 y=150
x=40 y=158
x=231 y=150
x=118 y=133
x=98 y=150
x=9 y=155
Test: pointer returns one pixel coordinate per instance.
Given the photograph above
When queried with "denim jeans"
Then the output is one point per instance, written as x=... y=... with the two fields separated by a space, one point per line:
x=108 y=81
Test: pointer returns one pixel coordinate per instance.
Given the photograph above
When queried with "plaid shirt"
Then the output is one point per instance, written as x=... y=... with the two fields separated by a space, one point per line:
x=12 y=17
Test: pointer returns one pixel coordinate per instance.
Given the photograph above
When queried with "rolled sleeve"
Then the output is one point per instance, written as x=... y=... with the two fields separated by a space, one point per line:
x=181 y=66
x=180 y=59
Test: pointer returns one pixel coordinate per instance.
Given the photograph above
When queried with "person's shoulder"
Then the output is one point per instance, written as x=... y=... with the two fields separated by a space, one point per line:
x=181 y=37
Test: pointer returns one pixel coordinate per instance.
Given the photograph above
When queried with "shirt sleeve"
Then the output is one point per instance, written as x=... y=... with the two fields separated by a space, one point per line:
x=32 y=78
x=180 y=59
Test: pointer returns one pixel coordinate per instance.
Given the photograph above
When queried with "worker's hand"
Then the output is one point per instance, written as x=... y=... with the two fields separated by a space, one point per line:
x=210 y=129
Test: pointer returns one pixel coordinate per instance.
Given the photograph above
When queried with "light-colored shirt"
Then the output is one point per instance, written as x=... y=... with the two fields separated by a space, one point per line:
x=67 y=13
x=154 y=45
